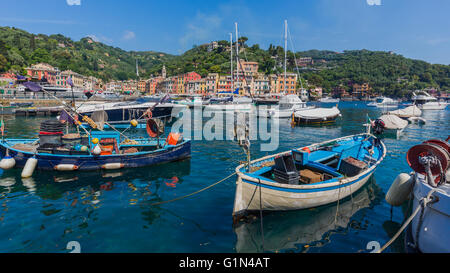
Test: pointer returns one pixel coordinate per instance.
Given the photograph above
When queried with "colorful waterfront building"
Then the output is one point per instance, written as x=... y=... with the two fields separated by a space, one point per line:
x=361 y=90
x=286 y=84
x=43 y=70
x=211 y=83
x=224 y=84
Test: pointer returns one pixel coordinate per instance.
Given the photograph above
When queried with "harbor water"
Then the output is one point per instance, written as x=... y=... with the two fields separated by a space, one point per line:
x=114 y=211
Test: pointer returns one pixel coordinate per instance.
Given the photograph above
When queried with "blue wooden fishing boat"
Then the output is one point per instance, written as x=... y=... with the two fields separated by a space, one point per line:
x=308 y=177
x=115 y=152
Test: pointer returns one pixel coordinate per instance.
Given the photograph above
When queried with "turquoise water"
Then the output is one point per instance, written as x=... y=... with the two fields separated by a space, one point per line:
x=113 y=211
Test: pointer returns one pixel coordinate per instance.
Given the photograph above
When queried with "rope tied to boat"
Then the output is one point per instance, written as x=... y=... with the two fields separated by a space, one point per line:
x=194 y=193
x=427 y=162
x=423 y=202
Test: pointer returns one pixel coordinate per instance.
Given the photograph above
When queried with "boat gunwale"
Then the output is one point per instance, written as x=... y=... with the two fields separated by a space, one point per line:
x=341 y=181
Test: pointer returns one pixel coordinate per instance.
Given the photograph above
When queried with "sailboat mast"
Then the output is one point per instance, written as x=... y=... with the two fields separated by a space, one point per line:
x=285 y=53
x=237 y=55
x=231 y=61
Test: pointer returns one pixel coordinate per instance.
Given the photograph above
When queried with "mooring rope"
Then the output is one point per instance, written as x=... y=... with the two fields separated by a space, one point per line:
x=423 y=203
x=191 y=194
x=261 y=214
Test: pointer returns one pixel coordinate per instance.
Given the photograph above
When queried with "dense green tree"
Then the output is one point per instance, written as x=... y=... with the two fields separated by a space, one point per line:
x=387 y=73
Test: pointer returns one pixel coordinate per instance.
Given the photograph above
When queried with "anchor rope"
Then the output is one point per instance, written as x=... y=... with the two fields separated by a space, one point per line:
x=191 y=194
x=423 y=203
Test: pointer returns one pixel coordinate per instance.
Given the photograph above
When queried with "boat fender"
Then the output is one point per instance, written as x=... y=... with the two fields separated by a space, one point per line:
x=134 y=123
x=97 y=150
x=7 y=163
x=29 y=167
x=400 y=190
x=66 y=167
x=113 y=166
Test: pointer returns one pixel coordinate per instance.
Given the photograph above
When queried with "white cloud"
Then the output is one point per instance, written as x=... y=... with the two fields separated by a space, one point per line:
x=128 y=35
x=373 y=2
x=73 y=2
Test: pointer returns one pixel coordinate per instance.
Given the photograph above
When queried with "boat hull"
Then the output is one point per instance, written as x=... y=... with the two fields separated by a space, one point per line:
x=433 y=236
x=278 y=199
x=432 y=106
x=48 y=162
x=315 y=121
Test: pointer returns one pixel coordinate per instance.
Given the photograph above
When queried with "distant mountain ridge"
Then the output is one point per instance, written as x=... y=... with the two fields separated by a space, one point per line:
x=388 y=73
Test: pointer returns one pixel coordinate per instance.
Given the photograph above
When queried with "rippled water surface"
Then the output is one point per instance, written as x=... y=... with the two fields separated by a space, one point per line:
x=113 y=211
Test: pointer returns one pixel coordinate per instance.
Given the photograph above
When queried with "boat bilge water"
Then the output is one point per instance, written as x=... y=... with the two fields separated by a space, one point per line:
x=307 y=177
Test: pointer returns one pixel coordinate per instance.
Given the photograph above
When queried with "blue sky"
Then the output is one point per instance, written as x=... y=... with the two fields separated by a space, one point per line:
x=418 y=29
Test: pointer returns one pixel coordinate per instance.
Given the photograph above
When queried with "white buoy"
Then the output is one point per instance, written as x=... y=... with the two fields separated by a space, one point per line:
x=66 y=167
x=29 y=167
x=7 y=163
x=97 y=150
x=113 y=166
x=400 y=189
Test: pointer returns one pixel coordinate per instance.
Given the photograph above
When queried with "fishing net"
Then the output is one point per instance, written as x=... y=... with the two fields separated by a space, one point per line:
x=100 y=117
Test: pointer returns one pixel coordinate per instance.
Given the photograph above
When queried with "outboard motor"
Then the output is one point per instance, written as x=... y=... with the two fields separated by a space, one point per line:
x=378 y=126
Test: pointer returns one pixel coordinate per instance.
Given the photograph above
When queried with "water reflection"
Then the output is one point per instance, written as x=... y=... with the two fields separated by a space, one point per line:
x=298 y=230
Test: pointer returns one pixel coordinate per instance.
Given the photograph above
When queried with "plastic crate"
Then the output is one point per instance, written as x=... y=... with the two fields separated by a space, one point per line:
x=351 y=166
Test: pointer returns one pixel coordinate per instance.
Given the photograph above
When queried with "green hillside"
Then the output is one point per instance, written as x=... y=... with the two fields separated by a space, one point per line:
x=387 y=73
x=19 y=49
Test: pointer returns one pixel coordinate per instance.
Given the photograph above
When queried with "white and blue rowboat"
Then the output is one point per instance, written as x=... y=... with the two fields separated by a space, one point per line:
x=314 y=175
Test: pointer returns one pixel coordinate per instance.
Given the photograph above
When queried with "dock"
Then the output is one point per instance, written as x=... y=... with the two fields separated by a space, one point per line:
x=38 y=111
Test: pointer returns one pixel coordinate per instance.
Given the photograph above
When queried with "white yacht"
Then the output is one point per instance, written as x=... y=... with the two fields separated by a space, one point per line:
x=425 y=101
x=243 y=104
x=124 y=112
x=383 y=102
x=329 y=100
x=285 y=108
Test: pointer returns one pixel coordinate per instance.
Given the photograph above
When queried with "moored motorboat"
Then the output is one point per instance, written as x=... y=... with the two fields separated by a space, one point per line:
x=307 y=177
x=429 y=188
x=329 y=100
x=231 y=104
x=124 y=112
x=286 y=107
x=383 y=102
x=389 y=124
x=408 y=112
x=425 y=101
x=316 y=116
